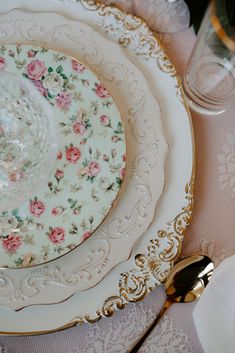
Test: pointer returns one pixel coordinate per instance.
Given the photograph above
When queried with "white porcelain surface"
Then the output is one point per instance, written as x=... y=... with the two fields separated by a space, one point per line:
x=161 y=243
x=146 y=148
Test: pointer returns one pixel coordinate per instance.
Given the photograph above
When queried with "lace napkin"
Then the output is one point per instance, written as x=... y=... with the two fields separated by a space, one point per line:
x=3 y=349
x=214 y=314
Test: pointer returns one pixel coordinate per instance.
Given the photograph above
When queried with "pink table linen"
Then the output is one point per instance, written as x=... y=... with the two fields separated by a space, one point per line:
x=211 y=233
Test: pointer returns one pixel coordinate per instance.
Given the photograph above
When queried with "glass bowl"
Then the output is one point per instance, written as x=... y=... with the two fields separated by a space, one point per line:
x=28 y=140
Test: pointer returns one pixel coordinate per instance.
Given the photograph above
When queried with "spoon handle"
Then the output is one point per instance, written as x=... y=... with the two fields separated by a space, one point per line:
x=139 y=343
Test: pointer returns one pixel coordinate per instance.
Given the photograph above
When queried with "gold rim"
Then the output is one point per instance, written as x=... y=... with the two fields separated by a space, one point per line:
x=147 y=266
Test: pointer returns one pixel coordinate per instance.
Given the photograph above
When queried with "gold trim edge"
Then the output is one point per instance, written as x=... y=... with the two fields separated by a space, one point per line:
x=138 y=282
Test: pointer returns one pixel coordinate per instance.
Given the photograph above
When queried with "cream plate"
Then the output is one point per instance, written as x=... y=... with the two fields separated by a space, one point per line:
x=135 y=209
x=157 y=250
x=90 y=163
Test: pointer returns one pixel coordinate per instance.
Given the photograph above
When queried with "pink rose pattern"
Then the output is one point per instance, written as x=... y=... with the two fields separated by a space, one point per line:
x=93 y=169
x=105 y=120
x=59 y=174
x=12 y=243
x=90 y=167
x=63 y=101
x=79 y=128
x=2 y=63
x=36 y=69
x=31 y=53
x=86 y=235
x=59 y=155
x=56 y=235
x=57 y=211
x=36 y=207
x=73 y=154
x=101 y=91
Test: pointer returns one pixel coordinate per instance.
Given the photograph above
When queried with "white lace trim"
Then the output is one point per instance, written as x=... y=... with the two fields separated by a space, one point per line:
x=226 y=164
x=3 y=349
x=167 y=338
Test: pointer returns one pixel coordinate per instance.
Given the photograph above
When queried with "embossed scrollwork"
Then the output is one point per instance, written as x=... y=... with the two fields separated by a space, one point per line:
x=129 y=22
x=165 y=65
x=111 y=304
x=135 y=284
x=90 y=5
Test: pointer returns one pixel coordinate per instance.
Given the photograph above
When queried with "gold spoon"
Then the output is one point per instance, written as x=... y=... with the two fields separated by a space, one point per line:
x=186 y=282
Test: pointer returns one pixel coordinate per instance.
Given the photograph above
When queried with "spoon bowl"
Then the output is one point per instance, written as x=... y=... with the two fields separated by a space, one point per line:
x=185 y=283
x=188 y=278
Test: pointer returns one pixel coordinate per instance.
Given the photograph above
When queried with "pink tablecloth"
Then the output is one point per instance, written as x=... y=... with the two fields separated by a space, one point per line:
x=211 y=233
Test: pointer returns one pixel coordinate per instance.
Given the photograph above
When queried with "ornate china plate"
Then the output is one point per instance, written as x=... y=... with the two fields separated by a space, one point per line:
x=134 y=210
x=90 y=163
x=154 y=254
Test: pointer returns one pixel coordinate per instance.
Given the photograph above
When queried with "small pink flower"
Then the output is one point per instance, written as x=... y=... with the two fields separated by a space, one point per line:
x=73 y=154
x=79 y=128
x=31 y=53
x=86 y=235
x=101 y=91
x=59 y=155
x=40 y=88
x=115 y=138
x=104 y=120
x=2 y=63
x=36 y=69
x=78 y=67
x=56 y=235
x=93 y=169
x=36 y=207
x=12 y=243
x=124 y=158
x=122 y=173
x=57 y=211
x=63 y=101
x=59 y=174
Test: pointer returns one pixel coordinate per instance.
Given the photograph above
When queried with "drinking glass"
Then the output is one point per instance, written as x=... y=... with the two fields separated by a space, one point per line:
x=209 y=79
x=28 y=140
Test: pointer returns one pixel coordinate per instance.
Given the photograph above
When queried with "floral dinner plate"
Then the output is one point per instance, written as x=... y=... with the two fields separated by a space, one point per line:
x=90 y=163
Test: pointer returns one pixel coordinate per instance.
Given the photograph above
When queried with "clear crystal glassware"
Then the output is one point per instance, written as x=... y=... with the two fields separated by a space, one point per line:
x=209 y=80
x=28 y=140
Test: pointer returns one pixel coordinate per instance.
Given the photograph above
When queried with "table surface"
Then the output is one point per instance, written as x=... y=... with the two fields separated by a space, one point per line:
x=210 y=233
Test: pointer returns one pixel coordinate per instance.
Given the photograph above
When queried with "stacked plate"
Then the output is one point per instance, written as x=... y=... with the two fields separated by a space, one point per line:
x=120 y=196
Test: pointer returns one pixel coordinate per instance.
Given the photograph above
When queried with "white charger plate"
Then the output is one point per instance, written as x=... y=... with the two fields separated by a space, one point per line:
x=155 y=253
